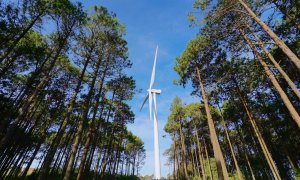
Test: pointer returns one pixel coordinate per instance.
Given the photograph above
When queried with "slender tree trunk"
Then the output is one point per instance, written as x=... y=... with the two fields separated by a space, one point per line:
x=293 y=57
x=221 y=166
x=244 y=150
x=82 y=118
x=91 y=132
x=25 y=171
x=178 y=166
x=198 y=161
x=239 y=172
x=97 y=166
x=56 y=141
x=84 y=156
x=250 y=167
x=183 y=151
x=24 y=32
x=258 y=134
x=200 y=157
x=208 y=162
x=174 y=156
x=275 y=83
x=278 y=67
x=193 y=162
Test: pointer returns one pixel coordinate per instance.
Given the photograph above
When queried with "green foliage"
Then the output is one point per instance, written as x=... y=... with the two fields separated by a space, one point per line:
x=64 y=92
x=234 y=80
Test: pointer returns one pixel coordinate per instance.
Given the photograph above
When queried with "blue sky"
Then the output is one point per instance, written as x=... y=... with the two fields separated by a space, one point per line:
x=150 y=23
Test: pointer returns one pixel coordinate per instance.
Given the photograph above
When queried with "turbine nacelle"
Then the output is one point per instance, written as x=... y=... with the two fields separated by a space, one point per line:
x=156 y=91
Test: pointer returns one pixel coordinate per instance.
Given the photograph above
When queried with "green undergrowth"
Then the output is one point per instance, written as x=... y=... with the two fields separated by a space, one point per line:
x=57 y=176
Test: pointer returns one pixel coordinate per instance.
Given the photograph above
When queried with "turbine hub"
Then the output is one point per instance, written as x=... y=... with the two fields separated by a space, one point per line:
x=157 y=91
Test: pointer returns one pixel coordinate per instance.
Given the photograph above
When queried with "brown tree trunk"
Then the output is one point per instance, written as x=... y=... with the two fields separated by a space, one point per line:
x=250 y=167
x=239 y=172
x=184 y=157
x=97 y=166
x=193 y=162
x=56 y=141
x=245 y=151
x=174 y=163
x=293 y=57
x=221 y=166
x=84 y=155
x=24 y=32
x=91 y=131
x=208 y=162
x=258 y=135
x=82 y=120
x=197 y=161
x=270 y=56
x=275 y=83
x=201 y=156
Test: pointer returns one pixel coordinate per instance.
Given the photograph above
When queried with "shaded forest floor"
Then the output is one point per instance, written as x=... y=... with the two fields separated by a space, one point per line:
x=55 y=176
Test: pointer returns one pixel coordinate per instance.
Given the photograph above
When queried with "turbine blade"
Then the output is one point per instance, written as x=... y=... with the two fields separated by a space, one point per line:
x=146 y=98
x=153 y=70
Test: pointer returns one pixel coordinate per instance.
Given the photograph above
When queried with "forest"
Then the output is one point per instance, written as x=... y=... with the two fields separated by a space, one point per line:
x=64 y=93
x=244 y=67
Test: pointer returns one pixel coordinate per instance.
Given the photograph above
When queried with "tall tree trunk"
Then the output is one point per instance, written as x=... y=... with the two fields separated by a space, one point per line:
x=56 y=141
x=278 y=67
x=25 y=171
x=174 y=156
x=250 y=167
x=82 y=119
x=84 y=155
x=178 y=166
x=91 y=131
x=193 y=162
x=239 y=172
x=258 y=134
x=208 y=162
x=184 y=155
x=97 y=166
x=293 y=57
x=275 y=83
x=24 y=32
x=197 y=161
x=221 y=166
x=245 y=151
x=201 y=159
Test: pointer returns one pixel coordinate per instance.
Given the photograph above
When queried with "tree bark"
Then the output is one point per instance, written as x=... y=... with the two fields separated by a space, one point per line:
x=221 y=166
x=278 y=67
x=174 y=151
x=275 y=83
x=184 y=157
x=208 y=162
x=201 y=159
x=258 y=135
x=56 y=141
x=239 y=172
x=82 y=118
x=24 y=32
x=292 y=56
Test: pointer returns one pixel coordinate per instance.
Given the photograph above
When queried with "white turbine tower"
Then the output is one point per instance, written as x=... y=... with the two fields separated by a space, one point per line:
x=152 y=96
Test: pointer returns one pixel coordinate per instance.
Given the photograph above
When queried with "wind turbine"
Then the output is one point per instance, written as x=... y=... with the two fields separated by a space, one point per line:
x=152 y=96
